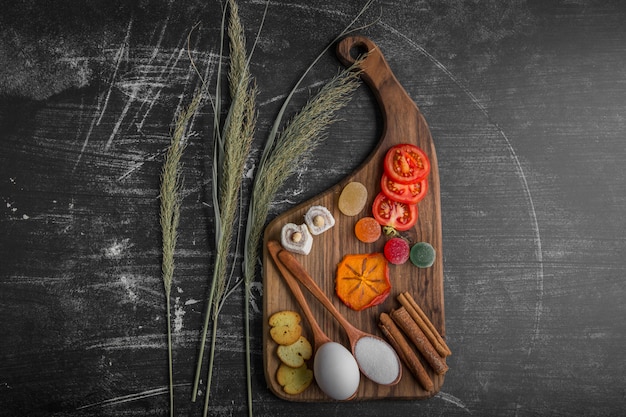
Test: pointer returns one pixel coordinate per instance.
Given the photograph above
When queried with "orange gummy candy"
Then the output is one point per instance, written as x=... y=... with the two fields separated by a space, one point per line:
x=367 y=230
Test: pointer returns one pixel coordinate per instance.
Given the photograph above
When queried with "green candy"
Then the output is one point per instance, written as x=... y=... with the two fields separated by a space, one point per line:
x=422 y=255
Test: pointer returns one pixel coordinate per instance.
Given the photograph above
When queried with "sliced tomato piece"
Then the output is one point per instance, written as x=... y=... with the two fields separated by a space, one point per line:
x=392 y=213
x=404 y=193
x=406 y=164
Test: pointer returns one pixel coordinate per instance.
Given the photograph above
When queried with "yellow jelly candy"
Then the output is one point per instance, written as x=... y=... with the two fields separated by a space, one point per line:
x=352 y=199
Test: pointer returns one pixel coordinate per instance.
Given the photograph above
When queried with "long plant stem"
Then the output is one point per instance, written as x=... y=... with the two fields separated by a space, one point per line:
x=216 y=139
x=170 y=217
x=258 y=210
x=203 y=337
x=278 y=121
x=282 y=153
x=303 y=134
x=232 y=143
x=169 y=353
x=247 y=289
x=210 y=368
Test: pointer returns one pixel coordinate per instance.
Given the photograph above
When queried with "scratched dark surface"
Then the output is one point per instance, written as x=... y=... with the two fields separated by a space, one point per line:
x=527 y=105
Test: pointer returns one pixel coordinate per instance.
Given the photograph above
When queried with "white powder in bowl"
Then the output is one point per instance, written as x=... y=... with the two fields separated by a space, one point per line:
x=377 y=360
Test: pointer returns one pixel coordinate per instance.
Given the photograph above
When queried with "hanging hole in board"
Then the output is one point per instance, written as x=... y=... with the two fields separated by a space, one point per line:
x=358 y=50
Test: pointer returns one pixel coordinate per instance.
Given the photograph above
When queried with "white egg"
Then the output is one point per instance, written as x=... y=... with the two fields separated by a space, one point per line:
x=336 y=371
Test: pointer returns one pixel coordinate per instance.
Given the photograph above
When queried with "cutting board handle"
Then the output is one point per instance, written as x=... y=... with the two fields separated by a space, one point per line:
x=394 y=101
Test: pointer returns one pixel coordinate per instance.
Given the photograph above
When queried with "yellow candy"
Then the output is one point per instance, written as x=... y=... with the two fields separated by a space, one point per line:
x=352 y=199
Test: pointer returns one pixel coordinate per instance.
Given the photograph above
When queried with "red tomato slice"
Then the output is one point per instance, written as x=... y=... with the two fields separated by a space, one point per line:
x=406 y=164
x=404 y=193
x=388 y=212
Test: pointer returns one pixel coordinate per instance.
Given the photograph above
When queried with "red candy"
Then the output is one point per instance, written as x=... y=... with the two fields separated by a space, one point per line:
x=397 y=251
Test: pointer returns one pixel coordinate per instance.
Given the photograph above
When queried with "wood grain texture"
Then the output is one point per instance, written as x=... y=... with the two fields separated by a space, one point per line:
x=403 y=123
x=525 y=102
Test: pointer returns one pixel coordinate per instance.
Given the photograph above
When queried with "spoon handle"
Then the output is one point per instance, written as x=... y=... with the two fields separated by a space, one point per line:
x=319 y=336
x=303 y=276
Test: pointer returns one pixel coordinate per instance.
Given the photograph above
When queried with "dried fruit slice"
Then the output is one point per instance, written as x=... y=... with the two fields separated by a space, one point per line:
x=362 y=281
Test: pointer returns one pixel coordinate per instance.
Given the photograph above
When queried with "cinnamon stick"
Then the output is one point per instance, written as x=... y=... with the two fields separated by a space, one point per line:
x=419 y=339
x=424 y=323
x=406 y=354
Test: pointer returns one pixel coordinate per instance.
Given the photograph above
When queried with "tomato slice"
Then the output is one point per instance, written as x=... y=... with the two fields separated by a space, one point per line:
x=392 y=213
x=406 y=164
x=404 y=193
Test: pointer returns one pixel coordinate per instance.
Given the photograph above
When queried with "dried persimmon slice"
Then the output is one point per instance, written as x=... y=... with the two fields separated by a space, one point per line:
x=362 y=281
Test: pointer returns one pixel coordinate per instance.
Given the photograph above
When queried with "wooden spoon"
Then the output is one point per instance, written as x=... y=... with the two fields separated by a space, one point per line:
x=369 y=362
x=339 y=386
x=319 y=337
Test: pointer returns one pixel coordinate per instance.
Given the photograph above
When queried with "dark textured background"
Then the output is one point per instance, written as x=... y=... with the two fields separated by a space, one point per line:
x=527 y=105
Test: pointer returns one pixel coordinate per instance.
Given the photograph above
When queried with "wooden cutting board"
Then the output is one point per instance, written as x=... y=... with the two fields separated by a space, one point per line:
x=403 y=123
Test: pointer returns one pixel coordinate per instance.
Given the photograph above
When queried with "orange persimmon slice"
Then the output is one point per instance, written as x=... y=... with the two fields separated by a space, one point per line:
x=362 y=281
